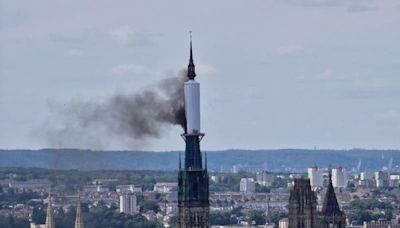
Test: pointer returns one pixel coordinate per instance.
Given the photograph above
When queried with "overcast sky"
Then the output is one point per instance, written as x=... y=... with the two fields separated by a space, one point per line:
x=273 y=73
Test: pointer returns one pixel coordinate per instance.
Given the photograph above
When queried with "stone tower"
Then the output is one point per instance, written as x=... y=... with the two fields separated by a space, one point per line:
x=302 y=205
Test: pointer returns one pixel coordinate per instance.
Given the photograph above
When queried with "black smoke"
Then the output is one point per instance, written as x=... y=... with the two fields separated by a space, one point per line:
x=128 y=118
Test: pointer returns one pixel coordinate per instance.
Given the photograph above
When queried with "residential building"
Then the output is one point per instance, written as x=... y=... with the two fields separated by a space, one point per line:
x=339 y=177
x=284 y=223
x=128 y=204
x=125 y=189
x=165 y=187
x=381 y=179
x=265 y=178
x=247 y=185
x=316 y=177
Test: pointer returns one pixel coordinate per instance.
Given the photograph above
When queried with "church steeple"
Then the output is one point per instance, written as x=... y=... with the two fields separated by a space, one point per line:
x=191 y=68
x=79 y=217
x=49 y=216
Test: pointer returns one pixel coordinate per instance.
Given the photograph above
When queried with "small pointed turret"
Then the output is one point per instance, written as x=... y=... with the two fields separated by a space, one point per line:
x=331 y=215
x=79 y=217
x=330 y=205
x=49 y=216
x=191 y=68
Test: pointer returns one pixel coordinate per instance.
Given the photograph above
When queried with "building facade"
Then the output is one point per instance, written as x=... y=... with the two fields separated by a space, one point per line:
x=316 y=177
x=127 y=204
x=382 y=179
x=265 y=178
x=247 y=185
x=339 y=177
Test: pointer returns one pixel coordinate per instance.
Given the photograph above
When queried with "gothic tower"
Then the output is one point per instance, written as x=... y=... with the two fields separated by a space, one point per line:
x=331 y=215
x=193 y=192
x=302 y=205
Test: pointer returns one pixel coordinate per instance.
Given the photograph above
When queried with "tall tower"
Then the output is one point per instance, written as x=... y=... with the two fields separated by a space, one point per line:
x=193 y=192
x=302 y=205
x=331 y=215
x=79 y=217
x=49 y=216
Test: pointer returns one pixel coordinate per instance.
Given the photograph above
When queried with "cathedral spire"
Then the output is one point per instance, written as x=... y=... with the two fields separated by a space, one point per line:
x=191 y=68
x=49 y=216
x=79 y=217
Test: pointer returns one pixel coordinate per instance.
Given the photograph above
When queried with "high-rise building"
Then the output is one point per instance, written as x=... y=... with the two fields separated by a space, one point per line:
x=302 y=205
x=193 y=182
x=365 y=176
x=79 y=216
x=315 y=176
x=265 y=178
x=382 y=179
x=284 y=223
x=331 y=215
x=127 y=204
x=366 y=180
x=339 y=177
x=247 y=185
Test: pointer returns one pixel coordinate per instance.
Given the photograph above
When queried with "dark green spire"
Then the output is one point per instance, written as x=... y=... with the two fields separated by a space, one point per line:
x=191 y=68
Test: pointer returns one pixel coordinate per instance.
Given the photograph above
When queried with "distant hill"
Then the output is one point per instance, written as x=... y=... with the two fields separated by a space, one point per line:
x=289 y=160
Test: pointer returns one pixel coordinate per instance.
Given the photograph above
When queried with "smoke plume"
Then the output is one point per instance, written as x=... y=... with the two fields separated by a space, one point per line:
x=131 y=119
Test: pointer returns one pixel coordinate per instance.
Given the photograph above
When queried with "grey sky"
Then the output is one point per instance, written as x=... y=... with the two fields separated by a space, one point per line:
x=274 y=74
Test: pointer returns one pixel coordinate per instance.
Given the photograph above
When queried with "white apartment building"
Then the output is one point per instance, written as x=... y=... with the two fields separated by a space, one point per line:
x=365 y=176
x=381 y=179
x=165 y=187
x=265 y=178
x=339 y=177
x=316 y=176
x=130 y=188
x=247 y=185
x=284 y=223
x=127 y=204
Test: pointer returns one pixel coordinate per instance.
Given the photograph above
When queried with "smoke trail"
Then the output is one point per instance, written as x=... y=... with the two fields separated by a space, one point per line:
x=128 y=118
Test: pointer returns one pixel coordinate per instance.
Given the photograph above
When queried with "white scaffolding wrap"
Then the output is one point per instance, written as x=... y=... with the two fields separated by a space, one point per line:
x=192 y=106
